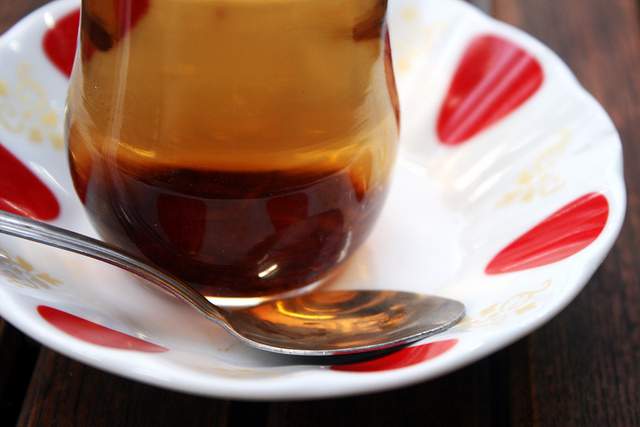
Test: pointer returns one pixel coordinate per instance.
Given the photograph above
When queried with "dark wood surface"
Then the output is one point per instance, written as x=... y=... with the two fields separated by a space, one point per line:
x=582 y=368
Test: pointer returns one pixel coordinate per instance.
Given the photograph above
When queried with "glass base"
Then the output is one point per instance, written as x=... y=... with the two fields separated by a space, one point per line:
x=232 y=302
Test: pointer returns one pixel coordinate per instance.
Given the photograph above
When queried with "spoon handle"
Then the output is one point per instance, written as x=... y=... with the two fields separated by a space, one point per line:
x=36 y=231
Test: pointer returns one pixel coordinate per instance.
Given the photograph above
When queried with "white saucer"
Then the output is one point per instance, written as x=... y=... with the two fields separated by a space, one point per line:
x=516 y=140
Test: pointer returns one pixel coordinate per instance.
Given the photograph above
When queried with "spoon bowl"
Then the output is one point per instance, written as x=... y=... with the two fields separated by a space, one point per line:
x=344 y=322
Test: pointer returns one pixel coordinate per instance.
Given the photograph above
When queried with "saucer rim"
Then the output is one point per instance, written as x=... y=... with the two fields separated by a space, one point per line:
x=343 y=383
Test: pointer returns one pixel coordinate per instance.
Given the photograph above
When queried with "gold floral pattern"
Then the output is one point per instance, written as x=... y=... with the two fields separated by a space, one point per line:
x=496 y=314
x=409 y=13
x=20 y=272
x=538 y=180
x=407 y=56
x=24 y=109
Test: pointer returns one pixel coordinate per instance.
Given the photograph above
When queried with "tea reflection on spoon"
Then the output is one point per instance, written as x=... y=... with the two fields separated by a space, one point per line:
x=314 y=324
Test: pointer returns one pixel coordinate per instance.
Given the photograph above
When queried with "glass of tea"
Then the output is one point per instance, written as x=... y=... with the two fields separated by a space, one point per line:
x=243 y=145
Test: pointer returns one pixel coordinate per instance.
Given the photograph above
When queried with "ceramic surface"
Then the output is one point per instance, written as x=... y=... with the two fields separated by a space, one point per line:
x=507 y=195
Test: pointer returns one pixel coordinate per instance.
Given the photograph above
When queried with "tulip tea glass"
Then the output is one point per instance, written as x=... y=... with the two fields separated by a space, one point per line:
x=243 y=145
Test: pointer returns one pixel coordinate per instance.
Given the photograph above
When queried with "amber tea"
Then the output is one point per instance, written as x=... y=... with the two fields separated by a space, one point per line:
x=243 y=145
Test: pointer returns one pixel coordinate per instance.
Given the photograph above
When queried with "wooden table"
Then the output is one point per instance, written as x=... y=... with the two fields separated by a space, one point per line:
x=583 y=368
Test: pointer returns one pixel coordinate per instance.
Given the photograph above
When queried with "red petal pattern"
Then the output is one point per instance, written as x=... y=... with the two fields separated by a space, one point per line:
x=93 y=333
x=22 y=193
x=493 y=79
x=402 y=358
x=59 y=42
x=566 y=232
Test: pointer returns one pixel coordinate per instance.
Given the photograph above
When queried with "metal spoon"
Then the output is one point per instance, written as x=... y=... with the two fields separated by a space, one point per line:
x=314 y=324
